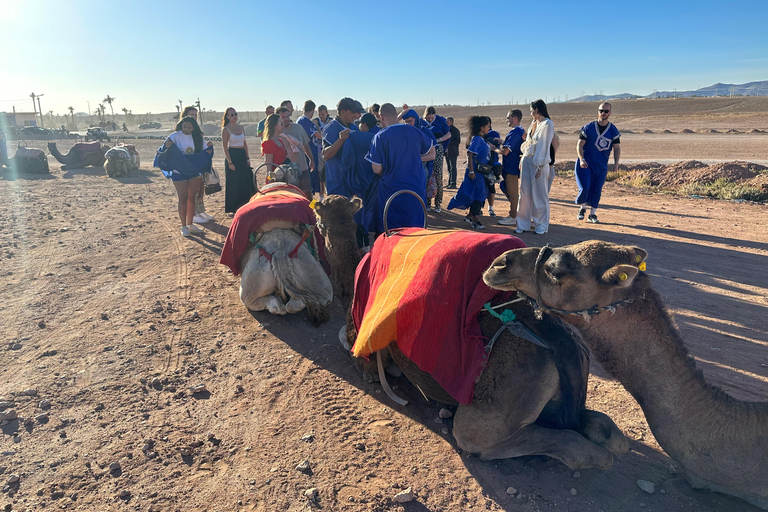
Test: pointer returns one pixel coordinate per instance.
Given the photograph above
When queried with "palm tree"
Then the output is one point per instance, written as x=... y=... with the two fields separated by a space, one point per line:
x=109 y=100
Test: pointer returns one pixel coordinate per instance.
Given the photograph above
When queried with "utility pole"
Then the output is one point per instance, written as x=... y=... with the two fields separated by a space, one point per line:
x=199 y=110
x=35 y=108
x=40 y=109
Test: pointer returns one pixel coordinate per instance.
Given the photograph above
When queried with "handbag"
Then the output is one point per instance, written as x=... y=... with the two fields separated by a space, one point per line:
x=213 y=183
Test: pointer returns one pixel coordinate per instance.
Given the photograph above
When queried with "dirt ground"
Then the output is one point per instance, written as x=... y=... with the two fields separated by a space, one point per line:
x=109 y=318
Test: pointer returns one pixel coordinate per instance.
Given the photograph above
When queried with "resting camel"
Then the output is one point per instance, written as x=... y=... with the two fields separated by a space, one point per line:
x=121 y=160
x=80 y=155
x=528 y=401
x=272 y=242
x=721 y=443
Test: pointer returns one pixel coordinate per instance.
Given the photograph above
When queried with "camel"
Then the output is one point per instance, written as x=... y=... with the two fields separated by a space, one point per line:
x=80 y=155
x=121 y=160
x=272 y=242
x=528 y=401
x=599 y=288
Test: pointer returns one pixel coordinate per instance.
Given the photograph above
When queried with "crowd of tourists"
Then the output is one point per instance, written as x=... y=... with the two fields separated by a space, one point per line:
x=383 y=156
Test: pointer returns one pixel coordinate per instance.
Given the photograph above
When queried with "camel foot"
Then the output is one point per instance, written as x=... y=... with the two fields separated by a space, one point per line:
x=295 y=305
x=271 y=303
x=343 y=338
x=601 y=430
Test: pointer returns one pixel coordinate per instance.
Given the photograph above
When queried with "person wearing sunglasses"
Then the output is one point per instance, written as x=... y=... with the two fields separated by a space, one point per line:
x=201 y=216
x=594 y=148
x=239 y=176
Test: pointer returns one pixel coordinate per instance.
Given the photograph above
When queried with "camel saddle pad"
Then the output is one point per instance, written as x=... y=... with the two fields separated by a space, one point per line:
x=424 y=289
x=88 y=147
x=275 y=206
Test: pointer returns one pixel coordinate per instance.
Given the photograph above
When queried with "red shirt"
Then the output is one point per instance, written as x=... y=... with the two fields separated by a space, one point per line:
x=270 y=147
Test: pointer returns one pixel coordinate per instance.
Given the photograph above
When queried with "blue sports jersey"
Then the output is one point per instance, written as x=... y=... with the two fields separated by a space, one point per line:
x=398 y=149
x=513 y=141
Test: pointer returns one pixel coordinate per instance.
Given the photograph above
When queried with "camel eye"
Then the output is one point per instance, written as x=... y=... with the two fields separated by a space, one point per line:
x=555 y=274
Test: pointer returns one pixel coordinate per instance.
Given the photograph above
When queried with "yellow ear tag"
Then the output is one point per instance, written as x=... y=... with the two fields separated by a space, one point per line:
x=623 y=276
x=312 y=204
x=641 y=266
x=638 y=258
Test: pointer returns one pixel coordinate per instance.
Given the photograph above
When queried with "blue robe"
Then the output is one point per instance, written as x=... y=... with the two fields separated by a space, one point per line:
x=311 y=129
x=180 y=166
x=398 y=149
x=357 y=171
x=473 y=190
x=511 y=162
x=597 y=149
x=334 y=177
x=439 y=127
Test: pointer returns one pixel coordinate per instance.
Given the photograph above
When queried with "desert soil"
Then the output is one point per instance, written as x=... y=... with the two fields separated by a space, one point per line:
x=110 y=318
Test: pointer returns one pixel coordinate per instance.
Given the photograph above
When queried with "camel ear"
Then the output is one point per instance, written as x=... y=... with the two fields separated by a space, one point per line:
x=319 y=207
x=620 y=275
x=640 y=255
x=356 y=204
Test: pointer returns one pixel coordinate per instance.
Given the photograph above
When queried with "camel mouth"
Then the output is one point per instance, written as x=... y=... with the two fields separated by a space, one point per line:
x=495 y=279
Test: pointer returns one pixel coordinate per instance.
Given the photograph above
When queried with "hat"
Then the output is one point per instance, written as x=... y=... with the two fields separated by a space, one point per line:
x=411 y=113
x=368 y=119
x=350 y=104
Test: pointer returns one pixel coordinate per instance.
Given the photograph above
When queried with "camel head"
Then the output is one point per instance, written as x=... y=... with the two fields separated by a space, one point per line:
x=336 y=211
x=573 y=278
x=51 y=145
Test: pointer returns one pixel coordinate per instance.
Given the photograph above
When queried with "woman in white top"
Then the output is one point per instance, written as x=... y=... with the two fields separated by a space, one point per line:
x=189 y=139
x=535 y=173
x=239 y=185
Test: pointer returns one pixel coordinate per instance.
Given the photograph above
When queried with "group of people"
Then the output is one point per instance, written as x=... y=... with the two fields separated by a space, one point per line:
x=378 y=153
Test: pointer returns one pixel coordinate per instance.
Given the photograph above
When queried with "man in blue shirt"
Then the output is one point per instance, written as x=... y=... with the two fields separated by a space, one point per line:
x=314 y=134
x=260 y=128
x=334 y=136
x=510 y=170
x=358 y=172
x=595 y=143
x=396 y=154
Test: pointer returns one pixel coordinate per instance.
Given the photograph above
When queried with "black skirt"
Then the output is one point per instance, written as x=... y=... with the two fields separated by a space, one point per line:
x=238 y=183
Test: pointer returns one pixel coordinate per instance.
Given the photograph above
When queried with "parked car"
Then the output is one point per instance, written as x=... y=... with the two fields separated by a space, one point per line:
x=150 y=125
x=96 y=134
x=35 y=132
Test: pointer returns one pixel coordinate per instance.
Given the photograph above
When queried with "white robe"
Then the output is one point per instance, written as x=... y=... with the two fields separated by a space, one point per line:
x=533 y=206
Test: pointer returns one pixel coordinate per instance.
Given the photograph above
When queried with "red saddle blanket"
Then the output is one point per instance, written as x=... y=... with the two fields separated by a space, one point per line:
x=424 y=290
x=276 y=202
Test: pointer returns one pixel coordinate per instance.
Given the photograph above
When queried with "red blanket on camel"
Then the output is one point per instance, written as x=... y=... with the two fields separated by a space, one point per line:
x=424 y=290
x=275 y=202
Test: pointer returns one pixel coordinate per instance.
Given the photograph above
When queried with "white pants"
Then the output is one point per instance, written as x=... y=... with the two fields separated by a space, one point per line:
x=533 y=206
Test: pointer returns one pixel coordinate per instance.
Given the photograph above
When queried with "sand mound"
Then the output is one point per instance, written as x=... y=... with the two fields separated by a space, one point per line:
x=688 y=131
x=760 y=182
x=561 y=132
x=711 y=131
x=626 y=131
x=693 y=171
x=733 y=131
x=647 y=131
x=667 y=131
x=210 y=129
x=755 y=130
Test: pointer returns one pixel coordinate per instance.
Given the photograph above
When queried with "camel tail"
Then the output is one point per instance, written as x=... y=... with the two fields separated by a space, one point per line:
x=303 y=277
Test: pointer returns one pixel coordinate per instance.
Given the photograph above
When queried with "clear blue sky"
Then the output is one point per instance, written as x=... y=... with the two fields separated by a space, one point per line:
x=148 y=55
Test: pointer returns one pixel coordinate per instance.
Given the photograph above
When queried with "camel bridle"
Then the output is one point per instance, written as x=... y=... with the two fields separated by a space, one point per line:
x=539 y=308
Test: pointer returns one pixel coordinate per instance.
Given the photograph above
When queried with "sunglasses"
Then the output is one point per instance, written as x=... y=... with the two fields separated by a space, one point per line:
x=603 y=111
x=233 y=114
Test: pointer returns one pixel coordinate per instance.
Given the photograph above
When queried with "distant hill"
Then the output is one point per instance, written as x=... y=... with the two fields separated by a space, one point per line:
x=748 y=89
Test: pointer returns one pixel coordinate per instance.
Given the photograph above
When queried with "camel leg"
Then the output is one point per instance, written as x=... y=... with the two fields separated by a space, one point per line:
x=571 y=448
x=258 y=284
x=271 y=303
x=601 y=430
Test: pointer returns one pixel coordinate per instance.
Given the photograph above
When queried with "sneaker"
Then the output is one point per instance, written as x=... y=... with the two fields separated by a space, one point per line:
x=208 y=216
x=581 y=214
x=540 y=231
x=491 y=213
x=477 y=225
x=184 y=231
x=593 y=219
x=467 y=219
x=518 y=231
x=195 y=229
x=431 y=209
x=508 y=221
x=438 y=209
x=199 y=219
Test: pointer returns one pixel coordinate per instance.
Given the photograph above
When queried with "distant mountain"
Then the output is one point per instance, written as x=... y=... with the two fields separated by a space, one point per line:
x=748 y=89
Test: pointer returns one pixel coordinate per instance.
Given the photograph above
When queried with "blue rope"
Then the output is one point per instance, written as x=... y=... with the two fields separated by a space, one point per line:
x=506 y=316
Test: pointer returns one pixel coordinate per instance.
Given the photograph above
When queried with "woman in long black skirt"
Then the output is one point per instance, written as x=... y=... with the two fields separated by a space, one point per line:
x=239 y=185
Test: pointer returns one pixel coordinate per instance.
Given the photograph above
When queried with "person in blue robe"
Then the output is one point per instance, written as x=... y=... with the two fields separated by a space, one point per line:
x=473 y=190
x=396 y=155
x=596 y=140
x=335 y=135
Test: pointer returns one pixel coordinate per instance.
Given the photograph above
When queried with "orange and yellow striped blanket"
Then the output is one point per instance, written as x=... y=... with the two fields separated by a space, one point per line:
x=424 y=290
